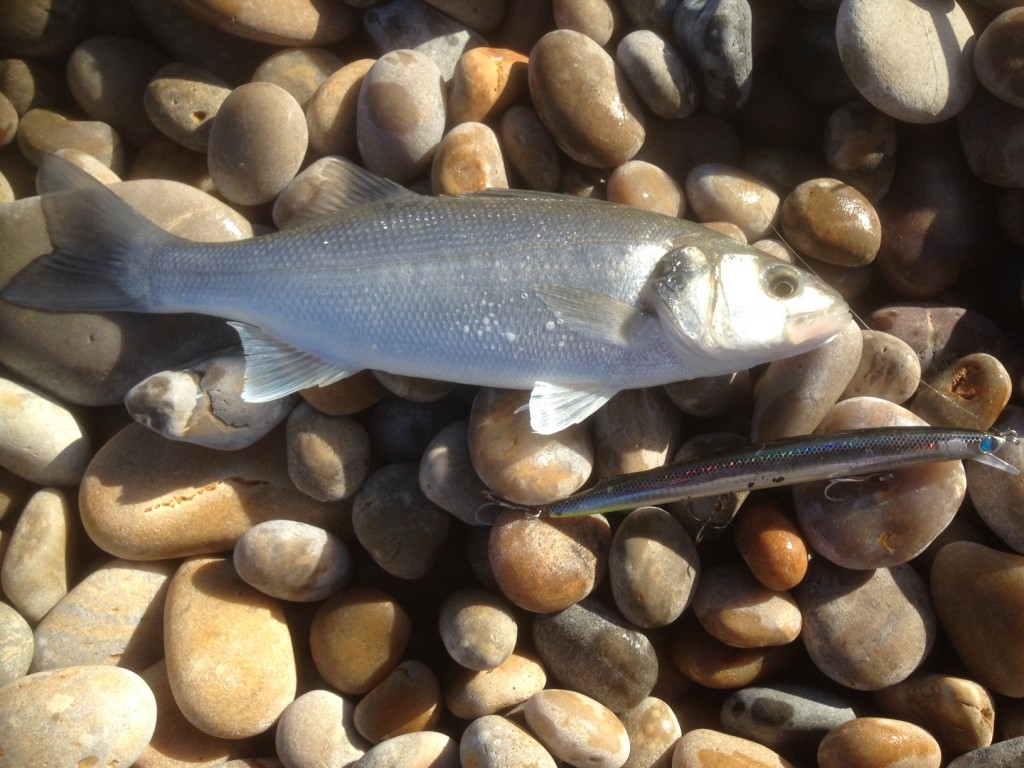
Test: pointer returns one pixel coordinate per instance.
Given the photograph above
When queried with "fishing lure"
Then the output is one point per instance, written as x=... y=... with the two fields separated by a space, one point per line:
x=837 y=456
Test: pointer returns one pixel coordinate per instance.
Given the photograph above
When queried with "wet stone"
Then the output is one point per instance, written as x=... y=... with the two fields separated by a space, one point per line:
x=530 y=152
x=719 y=192
x=653 y=730
x=976 y=586
x=886 y=46
x=722 y=70
x=865 y=629
x=300 y=71
x=470 y=694
x=771 y=543
x=331 y=112
x=468 y=159
x=16 y=645
x=328 y=456
x=399 y=526
x=485 y=83
x=703 y=746
x=959 y=713
x=860 y=148
x=295 y=561
x=998 y=57
x=493 y=741
x=406 y=701
x=878 y=524
x=878 y=741
x=642 y=185
x=357 y=637
x=577 y=729
x=789 y=718
x=657 y=73
x=735 y=608
x=606 y=130
x=477 y=628
x=545 y=565
x=653 y=567
x=181 y=100
x=713 y=664
x=317 y=729
x=969 y=394
x=828 y=220
x=590 y=647
x=888 y=369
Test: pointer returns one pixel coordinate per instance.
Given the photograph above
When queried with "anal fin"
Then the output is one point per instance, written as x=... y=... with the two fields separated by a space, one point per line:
x=275 y=368
x=554 y=407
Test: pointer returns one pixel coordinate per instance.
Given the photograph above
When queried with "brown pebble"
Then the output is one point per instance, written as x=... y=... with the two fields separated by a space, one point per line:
x=407 y=700
x=832 y=222
x=42 y=131
x=469 y=693
x=468 y=159
x=704 y=748
x=328 y=456
x=331 y=112
x=713 y=664
x=878 y=742
x=182 y=99
x=287 y=22
x=718 y=192
x=300 y=71
x=478 y=629
x=577 y=729
x=486 y=82
x=888 y=369
x=969 y=394
x=653 y=730
x=738 y=610
x=770 y=542
x=643 y=185
x=999 y=56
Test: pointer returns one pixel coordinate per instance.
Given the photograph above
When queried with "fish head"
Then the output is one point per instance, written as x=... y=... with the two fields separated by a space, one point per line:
x=726 y=306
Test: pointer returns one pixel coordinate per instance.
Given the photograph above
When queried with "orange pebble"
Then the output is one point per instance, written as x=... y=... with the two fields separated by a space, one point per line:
x=771 y=543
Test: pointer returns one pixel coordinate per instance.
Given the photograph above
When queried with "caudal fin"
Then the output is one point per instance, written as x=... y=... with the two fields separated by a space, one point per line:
x=102 y=248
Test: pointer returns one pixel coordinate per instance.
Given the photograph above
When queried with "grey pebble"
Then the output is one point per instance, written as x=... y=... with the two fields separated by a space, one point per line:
x=658 y=74
x=997 y=496
x=478 y=629
x=716 y=36
x=203 y=404
x=1002 y=754
x=317 y=729
x=888 y=369
x=655 y=15
x=529 y=150
x=328 y=456
x=42 y=29
x=447 y=476
x=29 y=84
x=16 y=645
x=998 y=57
x=182 y=100
x=591 y=648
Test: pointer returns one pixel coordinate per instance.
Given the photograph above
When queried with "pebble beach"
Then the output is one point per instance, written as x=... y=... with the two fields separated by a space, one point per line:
x=188 y=579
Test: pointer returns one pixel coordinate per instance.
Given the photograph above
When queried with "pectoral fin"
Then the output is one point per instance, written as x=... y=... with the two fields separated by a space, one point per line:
x=594 y=314
x=554 y=407
x=274 y=368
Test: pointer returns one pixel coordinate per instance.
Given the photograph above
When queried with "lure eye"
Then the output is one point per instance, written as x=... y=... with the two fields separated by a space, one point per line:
x=783 y=282
x=988 y=444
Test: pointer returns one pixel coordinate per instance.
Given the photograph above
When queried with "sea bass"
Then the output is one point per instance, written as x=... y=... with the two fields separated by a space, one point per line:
x=573 y=299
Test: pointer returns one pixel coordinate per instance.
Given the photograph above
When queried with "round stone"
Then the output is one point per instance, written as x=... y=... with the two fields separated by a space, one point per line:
x=486 y=82
x=865 y=629
x=658 y=74
x=721 y=193
x=738 y=610
x=577 y=729
x=888 y=369
x=468 y=159
x=400 y=115
x=770 y=543
x=638 y=429
x=976 y=586
x=318 y=729
x=653 y=568
x=331 y=113
x=182 y=99
x=828 y=220
x=447 y=476
x=16 y=645
x=999 y=57
x=704 y=746
x=328 y=456
x=913 y=62
x=873 y=741
x=470 y=694
x=603 y=131
x=547 y=565
x=643 y=185
x=478 y=629
x=83 y=715
x=530 y=152
x=300 y=71
x=969 y=394
x=653 y=730
x=406 y=701
x=230 y=660
x=257 y=143
x=493 y=741
x=295 y=561
x=357 y=638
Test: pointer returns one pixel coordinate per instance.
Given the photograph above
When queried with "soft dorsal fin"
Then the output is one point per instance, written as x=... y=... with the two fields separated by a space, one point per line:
x=274 y=368
x=334 y=184
x=594 y=314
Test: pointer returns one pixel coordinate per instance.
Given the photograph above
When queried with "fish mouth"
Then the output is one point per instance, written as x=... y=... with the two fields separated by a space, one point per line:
x=817 y=327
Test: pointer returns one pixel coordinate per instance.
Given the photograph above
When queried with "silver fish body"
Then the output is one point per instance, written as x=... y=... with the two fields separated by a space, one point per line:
x=573 y=299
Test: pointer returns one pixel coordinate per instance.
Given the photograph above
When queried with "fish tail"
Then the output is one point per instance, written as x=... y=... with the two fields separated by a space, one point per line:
x=102 y=248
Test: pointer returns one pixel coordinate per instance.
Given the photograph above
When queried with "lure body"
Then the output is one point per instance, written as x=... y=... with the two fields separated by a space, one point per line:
x=781 y=462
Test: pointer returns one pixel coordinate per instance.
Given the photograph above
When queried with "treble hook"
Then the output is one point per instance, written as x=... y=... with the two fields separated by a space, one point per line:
x=878 y=478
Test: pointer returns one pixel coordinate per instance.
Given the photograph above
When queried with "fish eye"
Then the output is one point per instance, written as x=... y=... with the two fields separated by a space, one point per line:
x=783 y=282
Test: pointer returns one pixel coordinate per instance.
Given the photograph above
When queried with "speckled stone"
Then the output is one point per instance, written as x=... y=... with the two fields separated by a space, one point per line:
x=230 y=660
x=468 y=159
x=713 y=664
x=181 y=100
x=606 y=130
x=719 y=192
x=738 y=610
x=577 y=729
x=969 y=394
x=643 y=185
x=888 y=369
x=493 y=741
x=470 y=694
x=878 y=741
x=998 y=57
x=828 y=220
x=84 y=715
x=653 y=567
x=658 y=74
x=547 y=565
x=590 y=647
x=300 y=71
x=887 y=46
x=317 y=729
x=770 y=543
x=328 y=456
x=16 y=645
x=36 y=567
x=477 y=628
x=534 y=161
x=653 y=730
x=865 y=629
x=406 y=701
x=357 y=638
x=331 y=112
x=704 y=747
x=113 y=616
x=485 y=83
x=287 y=22
x=424 y=749
x=722 y=68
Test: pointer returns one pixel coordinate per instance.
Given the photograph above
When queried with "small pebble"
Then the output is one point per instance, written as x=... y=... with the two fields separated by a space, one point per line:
x=545 y=565
x=642 y=185
x=493 y=741
x=653 y=568
x=735 y=608
x=860 y=148
x=885 y=46
x=400 y=115
x=331 y=112
x=423 y=749
x=400 y=527
x=878 y=742
x=770 y=543
x=607 y=129
x=653 y=730
x=828 y=220
x=722 y=69
x=657 y=73
x=969 y=394
x=865 y=629
x=16 y=645
x=638 y=429
x=468 y=159
x=719 y=192
x=83 y=715
x=219 y=628
x=36 y=566
x=589 y=646
x=530 y=153
x=294 y=561
x=470 y=694
x=975 y=586
x=317 y=729
x=577 y=729
x=112 y=616
x=486 y=82
x=406 y=701
x=713 y=664
x=888 y=369
x=300 y=71
x=477 y=628
x=998 y=57
x=959 y=713
x=358 y=636
x=257 y=143
x=702 y=747
x=328 y=456
x=40 y=440
x=182 y=100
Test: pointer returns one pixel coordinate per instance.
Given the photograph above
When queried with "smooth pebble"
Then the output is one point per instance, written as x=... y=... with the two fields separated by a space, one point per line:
x=1003 y=754
x=331 y=112
x=878 y=742
x=998 y=57
x=828 y=220
x=643 y=185
x=771 y=543
x=738 y=610
x=43 y=131
x=704 y=747
x=997 y=495
x=468 y=159
x=657 y=73
x=300 y=71
x=478 y=629
x=485 y=83
x=638 y=429
x=317 y=729
x=423 y=749
x=653 y=730
x=860 y=148
x=287 y=22
x=722 y=68
x=888 y=369
x=328 y=456
x=719 y=192
x=577 y=729
x=530 y=153
x=493 y=741
x=406 y=701
x=182 y=100
x=16 y=645
x=969 y=394
x=711 y=663
x=469 y=693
